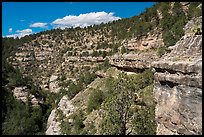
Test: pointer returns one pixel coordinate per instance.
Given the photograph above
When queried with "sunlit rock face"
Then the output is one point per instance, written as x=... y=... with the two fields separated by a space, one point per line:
x=53 y=123
x=178 y=87
x=23 y=94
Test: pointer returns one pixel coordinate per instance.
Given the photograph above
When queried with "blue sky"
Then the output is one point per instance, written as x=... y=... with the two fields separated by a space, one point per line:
x=20 y=18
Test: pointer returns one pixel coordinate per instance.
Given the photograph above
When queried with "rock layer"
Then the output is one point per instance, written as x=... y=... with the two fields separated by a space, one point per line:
x=178 y=88
x=133 y=62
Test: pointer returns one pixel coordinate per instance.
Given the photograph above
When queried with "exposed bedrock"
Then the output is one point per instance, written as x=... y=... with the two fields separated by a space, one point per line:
x=178 y=88
x=179 y=109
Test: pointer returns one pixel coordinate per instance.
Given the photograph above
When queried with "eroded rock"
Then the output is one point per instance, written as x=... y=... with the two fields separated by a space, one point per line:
x=22 y=93
x=53 y=85
x=53 y=127
x=178 y=87
x=53 y=124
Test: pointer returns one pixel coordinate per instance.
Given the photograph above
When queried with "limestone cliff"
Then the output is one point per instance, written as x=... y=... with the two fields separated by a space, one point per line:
x=57 y=61
x=178 y=86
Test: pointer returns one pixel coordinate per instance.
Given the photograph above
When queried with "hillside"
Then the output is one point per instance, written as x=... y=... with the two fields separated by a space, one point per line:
x=113 y=78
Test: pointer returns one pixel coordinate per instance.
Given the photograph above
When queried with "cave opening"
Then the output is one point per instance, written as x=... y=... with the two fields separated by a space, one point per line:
x=168 y=83
x=128 y=69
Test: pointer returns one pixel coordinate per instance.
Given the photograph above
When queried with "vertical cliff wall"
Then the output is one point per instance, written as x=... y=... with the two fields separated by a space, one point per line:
x=178 y=85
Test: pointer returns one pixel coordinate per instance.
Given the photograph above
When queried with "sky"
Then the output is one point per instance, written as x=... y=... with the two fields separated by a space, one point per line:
x=24 y=18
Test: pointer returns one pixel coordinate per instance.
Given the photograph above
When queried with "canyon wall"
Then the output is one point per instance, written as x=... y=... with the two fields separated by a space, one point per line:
x=178 y=87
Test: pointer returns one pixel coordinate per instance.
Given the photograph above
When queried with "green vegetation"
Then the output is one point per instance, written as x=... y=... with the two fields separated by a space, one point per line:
x=194 y=10
x=144 y=120
x=85 y=53
x=161 y=51
x=78 y=122
x=99 y=53
x=83 y=81
x=95 y=100
x=67 y=49
x=198 y=31
x=75 y=127
x=20 y=118
x=63 y=77
x=123 y=50
x=104 y=66
x=118 y=99
x=120 y=103
x=117 y=106
x=87 y=78
x=172 y=24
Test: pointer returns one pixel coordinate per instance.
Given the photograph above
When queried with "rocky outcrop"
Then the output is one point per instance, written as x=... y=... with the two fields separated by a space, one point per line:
x=53 y=126
x=93 y=59
x=97 y=117
x=178 y=87
x=136 y=62
x=53 y=123
x=146 y=42
x=100 y=74
x=66 y=106
x=22 y=93
x=178 y=110
x=53 y=85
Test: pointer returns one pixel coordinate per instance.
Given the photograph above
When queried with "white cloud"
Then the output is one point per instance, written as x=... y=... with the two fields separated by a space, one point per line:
x=21 y=33
x=10 y=29
x=22 y=20
x=84 y=19
x=25 y=31
x=39 y=25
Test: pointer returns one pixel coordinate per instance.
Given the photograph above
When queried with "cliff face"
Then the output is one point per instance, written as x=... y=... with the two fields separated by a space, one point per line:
x=53 y=123
x=177 y=81
x=52 y=54
x=135 y=62
x=66 y=107
x=178 y=86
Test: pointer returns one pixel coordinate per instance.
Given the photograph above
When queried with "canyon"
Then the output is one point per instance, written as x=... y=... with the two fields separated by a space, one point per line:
x=54 y=60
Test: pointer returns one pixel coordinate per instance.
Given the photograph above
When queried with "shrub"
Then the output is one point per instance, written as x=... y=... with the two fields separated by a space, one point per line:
x=95 y=100
x=63 y=77
x=78 y=121
x=95 y=53
x=74 y=89
x=121 y=101
x=123 y=50
x=105 y=65
x=144 y=121
x=161 y=51
x=87 y=78
x=198 y=31
x=76 y=127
